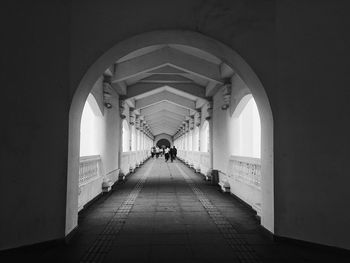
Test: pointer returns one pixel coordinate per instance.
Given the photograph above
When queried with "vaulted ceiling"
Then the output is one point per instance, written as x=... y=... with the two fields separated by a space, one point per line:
x=167 y=83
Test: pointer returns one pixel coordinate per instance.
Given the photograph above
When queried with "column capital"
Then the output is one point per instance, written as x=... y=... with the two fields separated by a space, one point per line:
x=132 y=116
x=226 y=95
x=209 y=110
x=107 y=92
x=191 y=122
x=197 y=118
x=122 y=108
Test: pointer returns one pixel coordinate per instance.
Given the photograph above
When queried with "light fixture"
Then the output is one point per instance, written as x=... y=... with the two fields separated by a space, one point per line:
x=108 y=105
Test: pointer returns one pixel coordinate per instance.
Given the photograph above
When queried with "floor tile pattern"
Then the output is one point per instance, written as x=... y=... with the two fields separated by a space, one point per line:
x=165 y=212
x=103 y=243
x=242 y=250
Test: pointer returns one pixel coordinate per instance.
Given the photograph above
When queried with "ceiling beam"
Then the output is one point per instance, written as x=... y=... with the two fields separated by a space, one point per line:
x=226 y=71
x=164 y=123
x=170 y=134
x=165 y=79
x=167 y=70
x=119 y=87
x=164 y=130
x=164 y=127
x=167 y=57
x=167 y=120
x=162 y=96
x=211 y=89
x=165 y=106
x=140 y=88
x=167 y=114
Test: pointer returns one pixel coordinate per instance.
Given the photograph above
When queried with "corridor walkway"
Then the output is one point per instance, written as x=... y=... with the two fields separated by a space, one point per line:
x=167 y=213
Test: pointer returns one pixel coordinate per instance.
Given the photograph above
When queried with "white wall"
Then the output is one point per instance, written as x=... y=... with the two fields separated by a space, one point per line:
x=196 y=137
x=205 y=137
x=100 y=131
x=245 y=129
x=92 y=129
x=125 y=136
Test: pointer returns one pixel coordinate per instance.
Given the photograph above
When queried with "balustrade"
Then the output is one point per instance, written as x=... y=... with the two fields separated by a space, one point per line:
x=205 y=162
x=90 y=179
x=200 y=161
x=131 y=160
x=244 y=177
x=245 y=169
x=89 y=168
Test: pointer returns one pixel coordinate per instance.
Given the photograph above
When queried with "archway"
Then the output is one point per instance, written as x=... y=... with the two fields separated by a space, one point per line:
x=162 y=143
x=188 y=38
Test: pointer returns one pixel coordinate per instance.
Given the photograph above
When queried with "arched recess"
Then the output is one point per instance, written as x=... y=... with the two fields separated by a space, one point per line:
x=246 y=129
x=188 y=38
x=163 y=136
x=91 y=128
x=163 y=142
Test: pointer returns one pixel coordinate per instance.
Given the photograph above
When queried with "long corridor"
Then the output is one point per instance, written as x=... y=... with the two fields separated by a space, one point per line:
x=167 y=213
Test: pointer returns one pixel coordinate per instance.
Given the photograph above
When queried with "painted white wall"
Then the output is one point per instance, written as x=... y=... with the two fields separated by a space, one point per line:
x=133 y=138
x=221 y=135
x=196 y=139
x=125 y=136
x=138 y=140
x=190 y=140
x=92 y=129
x=204 y=137
x=245 y=129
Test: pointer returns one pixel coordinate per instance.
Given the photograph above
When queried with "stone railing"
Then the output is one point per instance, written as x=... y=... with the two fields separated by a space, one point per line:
x=205 y=163
x=89 y=168
x=93 y=182
x=90 y=179
x=246 y=170
x=244 y=177
x=181 y=154
x=200 y=161
x=196 y=160
x=133 y=159
x=189 y=159
x=124 y=162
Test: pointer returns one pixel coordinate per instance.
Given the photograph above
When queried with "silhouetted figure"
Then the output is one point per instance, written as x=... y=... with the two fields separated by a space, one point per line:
x=166 y=153
x=175 y=151
x=172 y=154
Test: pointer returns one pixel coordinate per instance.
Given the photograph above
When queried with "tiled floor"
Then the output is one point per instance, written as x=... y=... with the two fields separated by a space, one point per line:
x=167 y=213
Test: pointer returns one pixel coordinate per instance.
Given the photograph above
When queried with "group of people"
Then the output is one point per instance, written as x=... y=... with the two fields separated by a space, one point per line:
x=166 y=151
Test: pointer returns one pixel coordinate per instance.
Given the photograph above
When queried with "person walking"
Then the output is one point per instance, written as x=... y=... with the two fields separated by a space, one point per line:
x=172 y=154
x=175 y=151
x=153 y=151
x=166 y=153
x=157 y=152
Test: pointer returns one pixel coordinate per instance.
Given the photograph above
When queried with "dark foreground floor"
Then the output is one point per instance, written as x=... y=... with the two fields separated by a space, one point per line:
x=167 y=213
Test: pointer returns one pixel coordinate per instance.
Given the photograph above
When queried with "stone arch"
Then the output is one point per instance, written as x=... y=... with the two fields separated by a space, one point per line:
x=163 y=142
x=163 y=136
x=189 y=38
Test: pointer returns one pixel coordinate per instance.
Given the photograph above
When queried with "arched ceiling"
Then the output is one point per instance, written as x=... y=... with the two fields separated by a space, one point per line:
x=168 y=83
